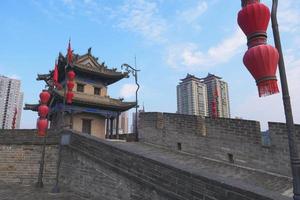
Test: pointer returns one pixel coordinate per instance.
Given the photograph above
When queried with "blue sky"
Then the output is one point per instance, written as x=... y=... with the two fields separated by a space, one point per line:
x=168 y=37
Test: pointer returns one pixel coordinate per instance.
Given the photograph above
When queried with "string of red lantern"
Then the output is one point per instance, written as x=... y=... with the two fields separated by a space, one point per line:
x=14 y=119
x=43 y=110
x=260 y=59
x=214 y=109
x=214 y=103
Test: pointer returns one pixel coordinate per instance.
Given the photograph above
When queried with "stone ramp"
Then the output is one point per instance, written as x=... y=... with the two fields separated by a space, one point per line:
x=225 y=172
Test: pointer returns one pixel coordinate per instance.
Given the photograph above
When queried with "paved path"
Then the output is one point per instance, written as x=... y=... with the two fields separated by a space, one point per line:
x=22 y=192
x=225 y=172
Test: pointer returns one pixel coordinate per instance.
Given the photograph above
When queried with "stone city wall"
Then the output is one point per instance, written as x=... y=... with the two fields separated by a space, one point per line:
x=230 y=140
x=98 y=169
x=20 y=154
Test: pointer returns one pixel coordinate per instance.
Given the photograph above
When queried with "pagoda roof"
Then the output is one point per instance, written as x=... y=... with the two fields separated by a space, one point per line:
x=105 y=103
x=190 y=77
x=211 y=76
x=89 y=64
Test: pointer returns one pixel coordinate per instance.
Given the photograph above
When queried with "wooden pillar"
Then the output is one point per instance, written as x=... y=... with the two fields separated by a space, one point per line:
x=107 y=128
x=111 y=127
x=117 y=127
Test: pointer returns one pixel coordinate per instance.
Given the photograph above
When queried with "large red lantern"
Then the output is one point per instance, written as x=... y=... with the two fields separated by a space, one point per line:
x=43 y=111
x=71 y=75
x=261 y=61
x=69 y=97
x=42 y=125
x=254 y=18
x=70 y=85
x=44 y=97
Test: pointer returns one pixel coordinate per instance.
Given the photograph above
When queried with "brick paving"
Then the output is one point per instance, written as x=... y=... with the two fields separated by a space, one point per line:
x=225 y=172
x=29 y=192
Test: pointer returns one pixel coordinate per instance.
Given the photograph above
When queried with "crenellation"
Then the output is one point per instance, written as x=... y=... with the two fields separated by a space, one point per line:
x=240 y=138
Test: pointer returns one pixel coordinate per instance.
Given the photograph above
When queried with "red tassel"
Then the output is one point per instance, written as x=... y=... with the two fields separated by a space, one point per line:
x=267 y=87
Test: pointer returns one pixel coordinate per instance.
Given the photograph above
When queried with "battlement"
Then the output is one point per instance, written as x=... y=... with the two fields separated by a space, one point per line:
x=236 y=141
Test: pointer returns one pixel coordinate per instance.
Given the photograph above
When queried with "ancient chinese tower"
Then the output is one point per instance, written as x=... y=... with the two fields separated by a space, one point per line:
x=92 y=110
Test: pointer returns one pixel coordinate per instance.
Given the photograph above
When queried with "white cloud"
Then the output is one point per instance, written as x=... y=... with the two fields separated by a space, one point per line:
x=288 y=16
x=192 y=14
x=14 y=76
x=142 y=17
x=128 y=90
x=189 y=56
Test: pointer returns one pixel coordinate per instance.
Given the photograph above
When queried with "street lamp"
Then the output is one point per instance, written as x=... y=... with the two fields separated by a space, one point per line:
x=134 y=71
x=255 y=26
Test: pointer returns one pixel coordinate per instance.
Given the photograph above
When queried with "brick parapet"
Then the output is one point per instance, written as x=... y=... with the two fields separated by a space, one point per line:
x=114 y=161
x=235 y=141
x=27 y=136
x=20 y=154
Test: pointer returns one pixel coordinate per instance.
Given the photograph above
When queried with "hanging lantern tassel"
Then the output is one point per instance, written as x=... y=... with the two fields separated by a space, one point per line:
x=267 y=87
x=261 y=61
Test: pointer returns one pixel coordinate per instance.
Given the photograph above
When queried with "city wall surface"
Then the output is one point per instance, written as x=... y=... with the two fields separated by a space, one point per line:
x=20 y=153
x=100 y=169
x=234 y=141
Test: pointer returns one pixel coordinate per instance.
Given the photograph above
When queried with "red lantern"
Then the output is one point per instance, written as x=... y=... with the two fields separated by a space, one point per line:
x=44 y=97
x=254 y=18
x=42 y=125
x=71 y=75
x=43 y=111
x=261 y=61
x=69 y=97
x=70 y=85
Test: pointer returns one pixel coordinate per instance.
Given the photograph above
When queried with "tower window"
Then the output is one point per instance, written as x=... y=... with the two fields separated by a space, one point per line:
x=80 y=87
x=97 y=91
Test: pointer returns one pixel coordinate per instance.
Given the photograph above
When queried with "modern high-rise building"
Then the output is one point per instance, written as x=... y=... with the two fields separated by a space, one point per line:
x=217 y=89
x=123 y=123
x=192 y=96
x=11 y=102
x=195 y=96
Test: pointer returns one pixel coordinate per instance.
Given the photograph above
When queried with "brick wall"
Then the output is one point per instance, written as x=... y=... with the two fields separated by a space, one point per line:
x=20 y=154
x=229 y=140
x=99 y=169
